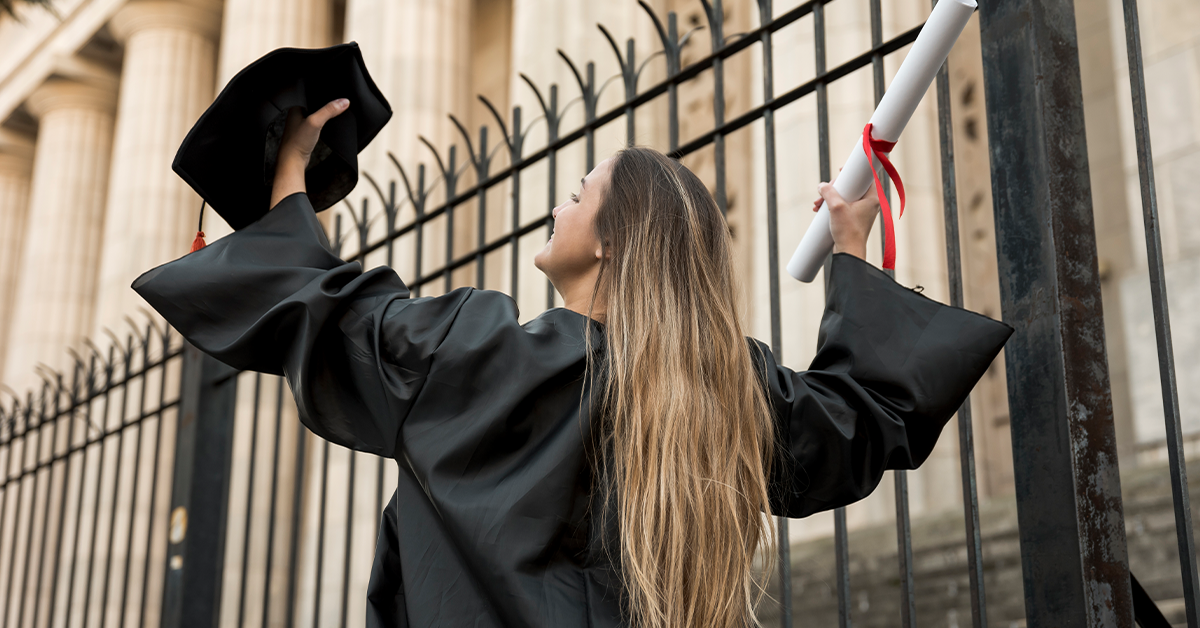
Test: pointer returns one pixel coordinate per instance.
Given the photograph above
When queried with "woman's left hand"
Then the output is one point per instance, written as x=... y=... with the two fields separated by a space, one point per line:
x=849 y=222
x=300 y=135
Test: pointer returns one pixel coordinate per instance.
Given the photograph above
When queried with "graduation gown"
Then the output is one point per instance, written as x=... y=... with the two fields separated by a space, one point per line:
x=487 y=419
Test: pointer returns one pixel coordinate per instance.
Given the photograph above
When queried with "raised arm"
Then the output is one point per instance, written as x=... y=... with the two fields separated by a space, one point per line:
x=892 y=368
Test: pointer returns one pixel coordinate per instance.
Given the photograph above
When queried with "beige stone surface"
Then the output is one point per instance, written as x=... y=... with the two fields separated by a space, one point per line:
x=16 y=165
x=62 y=240
x=166 y=82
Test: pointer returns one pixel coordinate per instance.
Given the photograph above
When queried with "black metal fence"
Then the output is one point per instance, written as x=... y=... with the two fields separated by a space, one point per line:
x=282 y=526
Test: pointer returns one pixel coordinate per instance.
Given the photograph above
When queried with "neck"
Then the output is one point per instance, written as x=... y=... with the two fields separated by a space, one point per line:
x=577 y=295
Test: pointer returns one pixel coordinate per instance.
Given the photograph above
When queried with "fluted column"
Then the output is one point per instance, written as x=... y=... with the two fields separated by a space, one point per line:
x=16 y=166
x=252 y=28
x=57 y=276
x=166 y=83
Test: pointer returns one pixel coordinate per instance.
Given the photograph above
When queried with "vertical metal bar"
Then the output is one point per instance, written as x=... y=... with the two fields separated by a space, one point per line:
x=100 y=482
x=841 y=546
x=104 y=433
x=66 y=483
x=200 y=492
x=1068 y=488
x=349 y=537
x=552 y=123
x=33 y=508
x=1162 y=322
x=768 y=87
x=481 y=206
x=908 y=604
x=127 y=356
x=266 y=616
x=717 y=23
x=162 y=395
x=390 y=213
x=514 y=243
x=589 y=116
x=630 y=93
x=966 y=441
x=86 y=401
x=11 y=421
x=8 y=594
x=137 y=464
x=246 y=531
x=822 y=91
x=450 y=180
x=294 y=535
x=841 y=539
x=420 y=219
x=36 y=438
x=673 y=87
x=321 y=534
x=908 y=610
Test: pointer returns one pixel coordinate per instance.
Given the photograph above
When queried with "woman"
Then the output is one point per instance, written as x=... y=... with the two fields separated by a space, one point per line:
x=608 y=463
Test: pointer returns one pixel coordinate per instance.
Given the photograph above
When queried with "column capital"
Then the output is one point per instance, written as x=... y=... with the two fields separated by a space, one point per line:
x=198 y=16
x=60 y=93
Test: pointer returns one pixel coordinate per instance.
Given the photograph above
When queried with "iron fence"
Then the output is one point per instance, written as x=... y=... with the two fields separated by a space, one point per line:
x=288 y=522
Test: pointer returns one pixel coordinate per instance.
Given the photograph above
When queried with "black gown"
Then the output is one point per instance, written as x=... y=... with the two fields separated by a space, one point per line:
x=487 y=418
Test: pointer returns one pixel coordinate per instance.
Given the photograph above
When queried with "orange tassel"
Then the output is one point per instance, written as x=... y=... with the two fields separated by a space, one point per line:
x=198 y=243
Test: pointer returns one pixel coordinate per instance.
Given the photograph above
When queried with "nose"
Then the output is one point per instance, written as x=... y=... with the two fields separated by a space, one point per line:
x=554 y=212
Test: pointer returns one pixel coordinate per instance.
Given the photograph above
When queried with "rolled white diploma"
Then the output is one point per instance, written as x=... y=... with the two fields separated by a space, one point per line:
x=912 y=80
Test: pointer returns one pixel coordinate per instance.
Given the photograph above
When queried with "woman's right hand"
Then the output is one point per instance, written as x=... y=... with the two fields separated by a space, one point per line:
x=300 y=135
x=849 y=222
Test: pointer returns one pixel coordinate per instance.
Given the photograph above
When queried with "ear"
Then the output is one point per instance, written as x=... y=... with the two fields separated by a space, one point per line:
x=600 y=252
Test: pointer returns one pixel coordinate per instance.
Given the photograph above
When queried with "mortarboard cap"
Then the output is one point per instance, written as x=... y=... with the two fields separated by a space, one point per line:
x=229 y=155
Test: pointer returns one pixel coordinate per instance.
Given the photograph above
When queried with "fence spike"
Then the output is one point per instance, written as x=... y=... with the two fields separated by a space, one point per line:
x=500 y=120
x=467 y=138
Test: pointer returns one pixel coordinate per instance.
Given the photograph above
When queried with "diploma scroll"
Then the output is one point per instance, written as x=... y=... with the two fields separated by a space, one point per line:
x=912 y=80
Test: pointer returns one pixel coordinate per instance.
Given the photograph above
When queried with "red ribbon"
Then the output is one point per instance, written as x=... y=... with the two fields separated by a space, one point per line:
x=880 y=149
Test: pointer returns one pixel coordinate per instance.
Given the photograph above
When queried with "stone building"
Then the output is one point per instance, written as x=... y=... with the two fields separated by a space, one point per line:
x=95 y=100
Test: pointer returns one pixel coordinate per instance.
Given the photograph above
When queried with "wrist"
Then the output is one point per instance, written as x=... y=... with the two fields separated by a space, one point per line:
x=857 y=249
x=289 y=179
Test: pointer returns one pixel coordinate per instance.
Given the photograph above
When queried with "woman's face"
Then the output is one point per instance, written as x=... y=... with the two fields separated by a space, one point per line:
x=573 y=252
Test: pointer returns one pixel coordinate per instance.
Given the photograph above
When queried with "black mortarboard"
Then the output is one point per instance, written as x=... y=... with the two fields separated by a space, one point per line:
x=229 y=155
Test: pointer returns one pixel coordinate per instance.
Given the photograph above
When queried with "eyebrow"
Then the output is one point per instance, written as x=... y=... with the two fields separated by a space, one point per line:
x=582 y=182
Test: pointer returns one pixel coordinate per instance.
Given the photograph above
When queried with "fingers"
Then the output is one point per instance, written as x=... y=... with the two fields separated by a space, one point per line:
x=833 y=200
x=331 y=110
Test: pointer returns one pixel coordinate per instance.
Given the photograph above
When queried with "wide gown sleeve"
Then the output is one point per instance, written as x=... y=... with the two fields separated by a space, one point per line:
x=892 y=368
x=354 y=348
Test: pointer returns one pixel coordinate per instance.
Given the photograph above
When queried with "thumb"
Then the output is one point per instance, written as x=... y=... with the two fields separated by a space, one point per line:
x=833 y=200
x=331 y=110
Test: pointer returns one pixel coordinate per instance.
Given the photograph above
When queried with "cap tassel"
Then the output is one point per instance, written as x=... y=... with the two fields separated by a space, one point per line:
x=199 y=243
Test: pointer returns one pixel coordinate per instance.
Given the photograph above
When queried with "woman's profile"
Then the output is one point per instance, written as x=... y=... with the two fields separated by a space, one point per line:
x=611 y=462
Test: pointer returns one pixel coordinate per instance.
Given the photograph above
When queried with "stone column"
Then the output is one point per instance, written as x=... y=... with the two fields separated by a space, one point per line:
x=56 y=284
x=167 y=82
x=252 y=28
x=16 y=165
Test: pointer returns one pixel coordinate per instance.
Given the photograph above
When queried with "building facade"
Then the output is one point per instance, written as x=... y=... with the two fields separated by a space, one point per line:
x=95 y=100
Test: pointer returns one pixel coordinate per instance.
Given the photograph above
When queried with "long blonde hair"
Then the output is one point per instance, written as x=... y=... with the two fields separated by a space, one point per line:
x=687 y=433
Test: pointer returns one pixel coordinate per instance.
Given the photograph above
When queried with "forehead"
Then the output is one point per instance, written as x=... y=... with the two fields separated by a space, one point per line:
x=598 y=174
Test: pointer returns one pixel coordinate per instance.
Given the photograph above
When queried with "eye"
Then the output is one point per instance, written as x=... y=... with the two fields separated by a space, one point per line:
x=574 y=197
